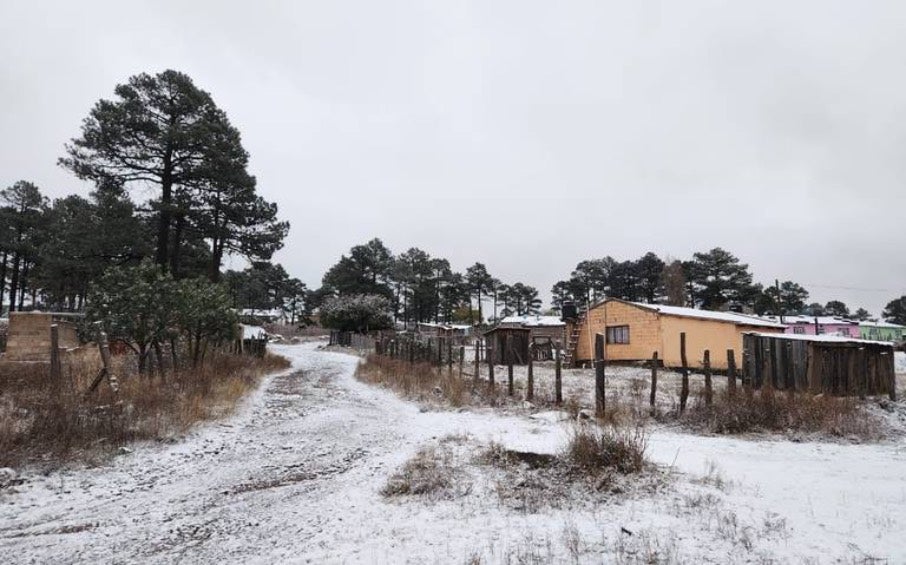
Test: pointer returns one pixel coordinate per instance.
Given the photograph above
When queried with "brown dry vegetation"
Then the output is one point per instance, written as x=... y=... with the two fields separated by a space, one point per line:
x=776 y=411
x=424 y=382
x=43 y=423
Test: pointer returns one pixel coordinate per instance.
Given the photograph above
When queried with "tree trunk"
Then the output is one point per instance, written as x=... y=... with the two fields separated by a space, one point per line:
x=166 y=201
x=142 y=358
x=176 y=250
x=3 y=280
x=216 y=259
x=14 y=282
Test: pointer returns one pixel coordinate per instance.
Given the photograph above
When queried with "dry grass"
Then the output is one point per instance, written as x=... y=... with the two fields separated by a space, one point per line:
x=42 y=423
x=433 y=472
x=424 y=382
x=593 y=450
x=773 y=411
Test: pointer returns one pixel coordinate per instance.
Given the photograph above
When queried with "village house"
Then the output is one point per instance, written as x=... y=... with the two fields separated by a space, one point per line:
x=818 y=325
x=634 y=331
x=458 y=333
x=881 y=331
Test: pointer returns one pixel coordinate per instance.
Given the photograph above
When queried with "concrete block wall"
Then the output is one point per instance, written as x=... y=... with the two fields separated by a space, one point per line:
x=28 y=336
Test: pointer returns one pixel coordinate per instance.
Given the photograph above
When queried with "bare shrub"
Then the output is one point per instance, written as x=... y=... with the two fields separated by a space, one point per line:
x=424 y=382
x=767 y=411
x=430 y=472
x=51 y=422
x=593 y=450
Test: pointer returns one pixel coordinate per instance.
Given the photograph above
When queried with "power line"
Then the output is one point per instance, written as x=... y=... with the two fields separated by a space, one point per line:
x=856 y=288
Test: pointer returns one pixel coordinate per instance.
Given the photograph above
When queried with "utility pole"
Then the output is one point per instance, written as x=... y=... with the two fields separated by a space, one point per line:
x=779 y=302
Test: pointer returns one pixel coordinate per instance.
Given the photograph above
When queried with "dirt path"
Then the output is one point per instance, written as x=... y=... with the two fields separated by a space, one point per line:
x=218 y=495
x=295 y=476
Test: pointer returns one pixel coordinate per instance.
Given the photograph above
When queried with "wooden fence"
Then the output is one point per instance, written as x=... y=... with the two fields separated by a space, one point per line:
x=843 y=368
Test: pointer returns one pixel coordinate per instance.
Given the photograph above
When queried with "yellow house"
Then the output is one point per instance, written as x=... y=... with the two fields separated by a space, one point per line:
x=634 y=331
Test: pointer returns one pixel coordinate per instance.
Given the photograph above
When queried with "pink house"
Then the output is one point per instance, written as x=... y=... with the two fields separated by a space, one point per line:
x=819 y=325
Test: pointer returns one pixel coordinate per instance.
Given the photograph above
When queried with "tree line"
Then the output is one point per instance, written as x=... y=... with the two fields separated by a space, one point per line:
x=416 y=287
x=710 y=280
x=159 y=135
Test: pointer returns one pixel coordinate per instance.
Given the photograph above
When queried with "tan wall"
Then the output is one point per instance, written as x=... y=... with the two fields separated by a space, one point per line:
x=650 y=332
x=29 y=336
x=717 y=337
x=644 y=332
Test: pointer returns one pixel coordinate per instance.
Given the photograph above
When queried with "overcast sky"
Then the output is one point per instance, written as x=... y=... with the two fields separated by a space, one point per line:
x=526 y=135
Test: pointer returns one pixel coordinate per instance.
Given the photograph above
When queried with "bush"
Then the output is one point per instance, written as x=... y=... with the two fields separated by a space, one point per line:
x=356 y=313
x=773 y=411
x=592 y=450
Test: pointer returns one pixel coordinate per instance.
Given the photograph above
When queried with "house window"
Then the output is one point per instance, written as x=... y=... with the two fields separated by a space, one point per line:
x=618 y=334
x=845 y=332
x=798 y=330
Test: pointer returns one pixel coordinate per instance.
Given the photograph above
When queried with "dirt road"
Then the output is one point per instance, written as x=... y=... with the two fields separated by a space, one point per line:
x=295 y=477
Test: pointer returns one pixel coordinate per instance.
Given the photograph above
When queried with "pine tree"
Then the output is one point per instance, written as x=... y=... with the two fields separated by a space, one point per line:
x=23 y=211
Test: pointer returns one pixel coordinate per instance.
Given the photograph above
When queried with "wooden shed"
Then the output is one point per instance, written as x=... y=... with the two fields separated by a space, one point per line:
x=820 y=364
x=508 y=344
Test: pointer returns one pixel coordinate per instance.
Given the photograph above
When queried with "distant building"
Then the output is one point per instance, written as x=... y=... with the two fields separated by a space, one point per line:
x=881 y=331
x=517 y=337
x=261 y=316
x=818 y=325
x=634 y=331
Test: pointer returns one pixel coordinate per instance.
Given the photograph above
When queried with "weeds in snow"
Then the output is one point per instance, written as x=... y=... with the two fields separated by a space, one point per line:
x=593 y=450
x=767 y=411
x=432 y=472
x=40 y=422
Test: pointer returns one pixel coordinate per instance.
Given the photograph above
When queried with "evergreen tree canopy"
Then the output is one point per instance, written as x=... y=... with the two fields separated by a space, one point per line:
x=717 y=279
x=895 y=311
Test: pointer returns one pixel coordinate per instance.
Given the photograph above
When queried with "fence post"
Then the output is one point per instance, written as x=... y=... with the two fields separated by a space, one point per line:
x=450 y=356
x=731 y=372
x=600 y=377
x=56 y=371
x=558 y=381
x=684 y=391
x=530 y=392
x=709 y=391
x=654 y=362
x=477 y=360
x=489 y=352
x=510 y=387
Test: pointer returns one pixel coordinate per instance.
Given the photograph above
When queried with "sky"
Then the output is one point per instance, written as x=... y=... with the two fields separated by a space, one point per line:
x=526 y=135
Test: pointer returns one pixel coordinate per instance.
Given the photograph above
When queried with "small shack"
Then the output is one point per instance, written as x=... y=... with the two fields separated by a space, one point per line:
x=28 y=336
x=507 y=345
x=517 y=337
x=820 y=364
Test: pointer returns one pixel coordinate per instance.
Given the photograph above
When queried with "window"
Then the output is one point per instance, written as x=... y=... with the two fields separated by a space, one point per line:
x=845 y=332
x=618 y=334
x=798 y=330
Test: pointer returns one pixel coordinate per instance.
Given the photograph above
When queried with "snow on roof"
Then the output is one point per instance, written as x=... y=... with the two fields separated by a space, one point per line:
x=822 y=338
x=879 y=324
x=732 y=317
x=252 y=332
x=445 y=326
x=274 y=312
x=822 y=320
x=533 y=321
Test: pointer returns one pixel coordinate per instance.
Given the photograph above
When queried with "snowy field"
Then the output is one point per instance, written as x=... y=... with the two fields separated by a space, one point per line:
x=296 y=477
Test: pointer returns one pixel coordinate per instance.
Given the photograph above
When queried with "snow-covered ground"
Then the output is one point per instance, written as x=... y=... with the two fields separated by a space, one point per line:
x=296 y=475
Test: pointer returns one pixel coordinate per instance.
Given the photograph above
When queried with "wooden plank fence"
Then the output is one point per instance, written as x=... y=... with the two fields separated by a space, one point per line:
x=840 y=368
